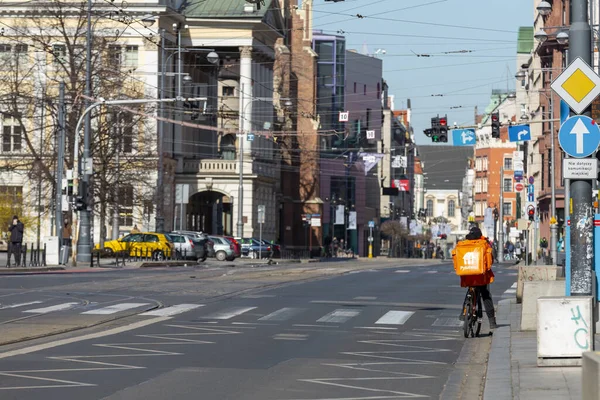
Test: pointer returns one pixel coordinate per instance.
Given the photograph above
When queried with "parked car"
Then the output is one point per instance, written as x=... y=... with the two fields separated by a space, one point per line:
x=237 y=247
x=199 y=236
x=253 y=248
x=156 y=245
x=224 y=249
x=189 y=247
x=273 y=247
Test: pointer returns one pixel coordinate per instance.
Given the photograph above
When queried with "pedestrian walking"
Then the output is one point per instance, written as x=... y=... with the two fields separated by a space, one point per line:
x=67 y=234
x=16 y=241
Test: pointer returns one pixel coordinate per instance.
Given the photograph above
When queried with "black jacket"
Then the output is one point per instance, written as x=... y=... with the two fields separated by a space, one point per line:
x=16 y=232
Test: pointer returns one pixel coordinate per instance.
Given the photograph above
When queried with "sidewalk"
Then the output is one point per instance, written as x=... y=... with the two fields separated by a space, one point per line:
x=512 y=371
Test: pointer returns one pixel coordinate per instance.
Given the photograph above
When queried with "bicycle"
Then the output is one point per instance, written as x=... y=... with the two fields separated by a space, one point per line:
x=473 y=313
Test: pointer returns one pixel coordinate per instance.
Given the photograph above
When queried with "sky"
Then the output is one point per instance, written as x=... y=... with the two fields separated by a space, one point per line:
x=459 y=49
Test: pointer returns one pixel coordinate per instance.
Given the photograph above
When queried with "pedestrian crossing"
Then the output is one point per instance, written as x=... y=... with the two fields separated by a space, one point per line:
x=510 y=292
x=248 y=314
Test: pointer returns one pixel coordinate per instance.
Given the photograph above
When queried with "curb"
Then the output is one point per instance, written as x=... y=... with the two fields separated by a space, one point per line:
x=499 y=377
x=20 y=270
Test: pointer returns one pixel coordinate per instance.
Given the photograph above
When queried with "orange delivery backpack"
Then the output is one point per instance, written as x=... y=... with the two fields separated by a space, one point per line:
x=472 y=257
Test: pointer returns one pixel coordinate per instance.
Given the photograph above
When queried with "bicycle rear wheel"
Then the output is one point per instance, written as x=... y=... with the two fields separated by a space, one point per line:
x=467 y=326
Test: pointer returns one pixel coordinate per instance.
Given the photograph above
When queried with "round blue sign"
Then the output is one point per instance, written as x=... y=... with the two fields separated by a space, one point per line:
x=531 y=180
x=579 y=136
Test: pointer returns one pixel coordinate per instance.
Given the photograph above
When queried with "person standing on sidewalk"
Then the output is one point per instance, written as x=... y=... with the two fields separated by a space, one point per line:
x=67 y=233
x=16 y=240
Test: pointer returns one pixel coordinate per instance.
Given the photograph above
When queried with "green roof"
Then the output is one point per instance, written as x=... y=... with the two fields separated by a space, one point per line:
x=223 y=9
x=525 y=40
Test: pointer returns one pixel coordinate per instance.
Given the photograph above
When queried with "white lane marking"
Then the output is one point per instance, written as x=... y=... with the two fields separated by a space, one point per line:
x=432 y=272
x=339 y=316
x=403 y=271
x=62 y=342
x=290 y=336
x=282 y=314
x=173 y=310
x=395 y=318
x=230 y=313
x=365 y=298
x=376 y=327
x=20 y=304
x=511 y=291
x=514 y=285
x=115 y=308
x=316 y=326
x=368 y=389
x=65 y=384
x=57 y=307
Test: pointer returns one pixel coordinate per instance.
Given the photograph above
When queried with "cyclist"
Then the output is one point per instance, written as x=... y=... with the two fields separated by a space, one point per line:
x=480 y=282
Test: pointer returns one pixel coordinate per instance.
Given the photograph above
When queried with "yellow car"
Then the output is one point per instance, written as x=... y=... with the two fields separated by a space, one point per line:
x=146 y=244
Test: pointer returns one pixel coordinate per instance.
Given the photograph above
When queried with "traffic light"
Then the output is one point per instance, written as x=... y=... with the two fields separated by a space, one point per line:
x=428 y=132
x=443 y=129
x=531 y=213
x=80 y=203
x=496 y=125
x=439 y=130
x=70 y=187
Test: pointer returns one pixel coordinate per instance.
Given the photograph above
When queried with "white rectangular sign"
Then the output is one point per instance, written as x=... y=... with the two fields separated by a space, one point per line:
x=261 y=214
x=316 y=222
x=370 y=134
x=344 y=116
x=580 y=168
x=182 y=193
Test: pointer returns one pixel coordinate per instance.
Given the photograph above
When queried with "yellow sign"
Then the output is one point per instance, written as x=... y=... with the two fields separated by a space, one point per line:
x=578 y=85
x=553 y=221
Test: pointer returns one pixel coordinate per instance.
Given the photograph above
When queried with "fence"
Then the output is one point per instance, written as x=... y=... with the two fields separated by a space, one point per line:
x=37 y=256
x=122 y=257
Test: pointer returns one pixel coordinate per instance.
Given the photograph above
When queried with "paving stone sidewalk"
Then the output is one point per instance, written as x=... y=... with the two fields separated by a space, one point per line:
x=512 y=371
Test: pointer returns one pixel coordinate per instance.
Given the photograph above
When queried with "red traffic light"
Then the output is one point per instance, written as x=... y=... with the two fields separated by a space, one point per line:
x=443 y=122
x=495 y=117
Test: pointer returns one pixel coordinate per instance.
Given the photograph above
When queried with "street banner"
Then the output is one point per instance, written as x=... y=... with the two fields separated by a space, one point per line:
x=339 y=215
x=352 y=220
x=488 y=222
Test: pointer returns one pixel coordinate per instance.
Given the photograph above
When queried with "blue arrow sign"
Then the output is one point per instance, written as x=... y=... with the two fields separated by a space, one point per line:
x=579 y=136
x=463 y=137
x=250 y=137
x=519 y=133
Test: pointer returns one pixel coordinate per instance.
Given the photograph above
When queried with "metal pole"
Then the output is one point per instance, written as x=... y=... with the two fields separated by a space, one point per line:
x=501 y=218
x=84 y=243
x=39 y=194
x=60 y=162
x=181 y=211
x=260 y=240
x=240 y=218
x=582 y=235
x=159 y=222
x=115 y=223
x=553 y=226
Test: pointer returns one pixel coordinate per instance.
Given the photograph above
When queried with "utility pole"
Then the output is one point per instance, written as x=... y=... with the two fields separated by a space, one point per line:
x=240 y=216
x=39 y=194
x=84 y=241
x=553 y=226
x=582 y=235
x=60 y=164
x=501 y=219
x=159 y=223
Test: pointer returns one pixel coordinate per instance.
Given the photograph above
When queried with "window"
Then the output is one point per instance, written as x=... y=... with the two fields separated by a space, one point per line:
x=325 y=51
x=430 y=208
x=151 y=238
x=451 y=208
x=131 y=56
x=11 y=134
x=478 y=185
x=5 y=52
x=12 y=196
x=126 y=205
x=228 y=91
x=507 y=186
x=114 y=55
x=21 y=53
x=123 y=131
x=507 y=164
x=59 y=51
x=485 y=185
x=485 y=164
x=478 y=164
x=507 y=209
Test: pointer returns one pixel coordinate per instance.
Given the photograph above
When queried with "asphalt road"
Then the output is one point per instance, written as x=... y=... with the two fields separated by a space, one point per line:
x=377 y=334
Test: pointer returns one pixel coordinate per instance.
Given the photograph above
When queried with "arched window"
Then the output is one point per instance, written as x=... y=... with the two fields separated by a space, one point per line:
x=451 y=208
x=430 y=208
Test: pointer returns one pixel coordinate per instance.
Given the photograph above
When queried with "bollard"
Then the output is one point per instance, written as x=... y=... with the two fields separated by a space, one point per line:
x=44 y=256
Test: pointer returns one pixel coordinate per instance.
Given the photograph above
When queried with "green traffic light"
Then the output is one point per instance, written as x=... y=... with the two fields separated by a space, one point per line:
x=435 y=138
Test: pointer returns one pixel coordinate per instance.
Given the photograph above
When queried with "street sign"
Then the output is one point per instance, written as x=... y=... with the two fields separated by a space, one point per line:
x=344 y=116
x=182 y=193
x=578 y=85
x=250 y=137
x=371 y=224
x=519 y=133
x=261 y=214
x=518 y=187
x=579 y=136
x=531 y=180
x=463 y=137
x=518 y=176
x=370 y=134
x=574 y=168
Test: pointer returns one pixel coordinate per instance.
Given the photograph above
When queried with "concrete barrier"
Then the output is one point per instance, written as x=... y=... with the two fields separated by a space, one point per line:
x=590 y=375
x=532 y=291
x=532 y=274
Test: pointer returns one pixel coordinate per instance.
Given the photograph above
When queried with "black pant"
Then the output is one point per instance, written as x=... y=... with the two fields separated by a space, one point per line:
x=15 y=248
x=488 y=303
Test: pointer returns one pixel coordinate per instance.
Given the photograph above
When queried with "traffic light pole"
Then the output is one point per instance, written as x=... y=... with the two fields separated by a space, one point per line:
x=582 y=234
x=501 y=219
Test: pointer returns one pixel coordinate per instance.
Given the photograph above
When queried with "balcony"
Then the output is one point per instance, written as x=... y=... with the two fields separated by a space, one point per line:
x=230 y=168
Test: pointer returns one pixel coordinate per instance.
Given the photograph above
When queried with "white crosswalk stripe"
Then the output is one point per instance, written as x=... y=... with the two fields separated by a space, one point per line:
x=57 y=307
x=172 y=310
x=115 y=308
x=229 y=313
x=282 y=314
x=395 y=318
x=20 y=305
x=339 y=316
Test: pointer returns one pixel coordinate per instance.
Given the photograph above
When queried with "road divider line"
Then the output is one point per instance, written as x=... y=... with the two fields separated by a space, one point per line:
x=58 y=307
x=20 y=304
x=115 y=308
x=62 y=342
x=172 y=310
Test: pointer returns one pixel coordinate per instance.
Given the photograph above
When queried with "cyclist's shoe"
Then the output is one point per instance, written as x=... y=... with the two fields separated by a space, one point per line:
x=493 y=324
x=461 y=316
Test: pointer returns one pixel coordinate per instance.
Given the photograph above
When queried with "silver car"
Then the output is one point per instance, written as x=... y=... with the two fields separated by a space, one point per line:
x=224 y=249
x=183 y=245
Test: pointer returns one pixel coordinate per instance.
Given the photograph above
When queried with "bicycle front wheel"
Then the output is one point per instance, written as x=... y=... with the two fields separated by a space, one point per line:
x=468 y=316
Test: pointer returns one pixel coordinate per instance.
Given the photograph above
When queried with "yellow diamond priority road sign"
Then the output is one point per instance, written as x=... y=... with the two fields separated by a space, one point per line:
x=578 y=85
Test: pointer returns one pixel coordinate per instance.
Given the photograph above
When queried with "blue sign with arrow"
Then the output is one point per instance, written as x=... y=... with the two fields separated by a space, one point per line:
x=463 y=137
x=519 y=133
x=579 y=136
x=250 y=137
